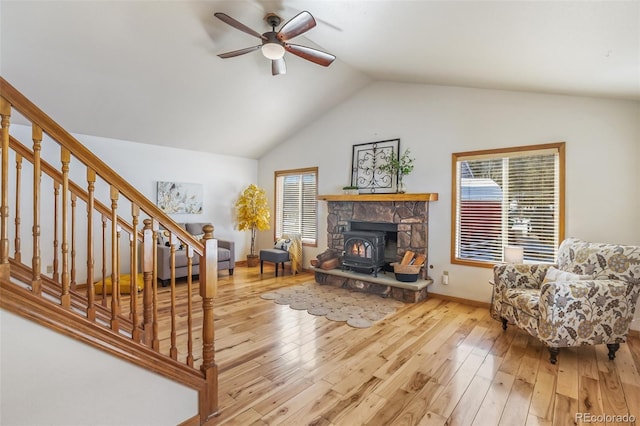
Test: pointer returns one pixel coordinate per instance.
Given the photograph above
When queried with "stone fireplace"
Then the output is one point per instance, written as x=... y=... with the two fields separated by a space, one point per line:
x=409 y=213
x=403 y=217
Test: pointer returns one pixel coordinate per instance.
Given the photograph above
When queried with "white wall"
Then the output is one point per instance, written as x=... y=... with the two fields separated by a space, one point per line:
x=223 y=178
x=602 y=143
x=51 y=379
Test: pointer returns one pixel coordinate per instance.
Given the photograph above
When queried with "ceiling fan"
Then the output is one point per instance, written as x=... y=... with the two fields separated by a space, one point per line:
x=275 y=43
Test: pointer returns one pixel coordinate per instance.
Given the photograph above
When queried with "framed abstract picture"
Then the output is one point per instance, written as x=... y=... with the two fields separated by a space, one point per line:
x=365 y=166
x=177 y=197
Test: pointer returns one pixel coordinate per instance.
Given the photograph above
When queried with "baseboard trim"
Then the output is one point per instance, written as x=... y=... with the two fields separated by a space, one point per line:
x=460 y=300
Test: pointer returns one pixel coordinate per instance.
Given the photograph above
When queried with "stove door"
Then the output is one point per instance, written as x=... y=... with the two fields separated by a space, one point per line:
x=358 y=249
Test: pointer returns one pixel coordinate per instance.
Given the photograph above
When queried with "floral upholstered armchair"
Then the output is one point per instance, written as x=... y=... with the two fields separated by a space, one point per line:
x=588 y=298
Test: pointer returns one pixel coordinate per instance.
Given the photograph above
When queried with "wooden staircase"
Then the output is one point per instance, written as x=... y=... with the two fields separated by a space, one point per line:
x=63 y=207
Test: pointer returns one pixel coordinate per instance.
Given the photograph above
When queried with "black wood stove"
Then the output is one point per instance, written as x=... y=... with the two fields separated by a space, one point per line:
x=363 y=251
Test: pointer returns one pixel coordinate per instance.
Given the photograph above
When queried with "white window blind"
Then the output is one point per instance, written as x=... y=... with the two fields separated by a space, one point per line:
x=296 y=203
x=509 y=197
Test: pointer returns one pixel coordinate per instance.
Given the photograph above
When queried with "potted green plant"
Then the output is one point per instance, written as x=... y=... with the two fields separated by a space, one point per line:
x=350 y=190
x=399 y=166
x=252 y=213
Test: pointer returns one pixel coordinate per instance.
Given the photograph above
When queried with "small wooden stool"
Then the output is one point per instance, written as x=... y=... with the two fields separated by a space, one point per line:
x=275 y=256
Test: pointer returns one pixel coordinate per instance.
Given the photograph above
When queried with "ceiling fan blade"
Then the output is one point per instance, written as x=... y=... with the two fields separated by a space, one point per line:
x=317 y=56
x=297 y=25
x=237 y=25
x=239 y=52
x=278 y=66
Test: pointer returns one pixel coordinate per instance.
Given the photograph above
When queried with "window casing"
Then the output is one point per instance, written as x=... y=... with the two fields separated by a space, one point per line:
x=507 y=197
x=296 y=204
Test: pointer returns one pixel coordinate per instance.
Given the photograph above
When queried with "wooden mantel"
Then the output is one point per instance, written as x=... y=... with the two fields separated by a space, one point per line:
x=433 y=196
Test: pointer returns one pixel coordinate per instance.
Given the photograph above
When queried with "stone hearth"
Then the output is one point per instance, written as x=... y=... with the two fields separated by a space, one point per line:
x=384 y=284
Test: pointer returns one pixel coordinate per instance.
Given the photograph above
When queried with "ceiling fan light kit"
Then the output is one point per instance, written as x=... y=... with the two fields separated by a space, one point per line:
x=274 y=43
x=272 y=51
x=272 y=48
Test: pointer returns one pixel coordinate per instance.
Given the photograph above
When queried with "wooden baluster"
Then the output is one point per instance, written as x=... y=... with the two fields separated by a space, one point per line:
x=115 y=288
x=104 y=260
x=56 y=194
x=73 y=242
x=91 y=181
x=36 y=282
x=65 y=297
x=208 y=398
x=148 y=253
x=16 y=254
x=155 y=342
x=115 y=273
x=173 y=352
x=133 y=292
x=189 y=307
x=5 y=112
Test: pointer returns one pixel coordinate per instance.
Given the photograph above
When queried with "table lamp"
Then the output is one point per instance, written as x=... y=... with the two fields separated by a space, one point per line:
x=514 y=254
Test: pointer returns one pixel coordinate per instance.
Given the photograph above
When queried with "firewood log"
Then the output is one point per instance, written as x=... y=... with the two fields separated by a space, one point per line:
x=326 y=255
x=406 y=259
x=419 y=259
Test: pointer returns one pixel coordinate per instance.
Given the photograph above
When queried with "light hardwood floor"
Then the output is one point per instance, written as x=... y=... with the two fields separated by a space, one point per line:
x=433 y=363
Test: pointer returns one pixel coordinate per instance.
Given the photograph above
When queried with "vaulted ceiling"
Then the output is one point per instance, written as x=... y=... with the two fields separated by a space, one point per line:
x=147 y=71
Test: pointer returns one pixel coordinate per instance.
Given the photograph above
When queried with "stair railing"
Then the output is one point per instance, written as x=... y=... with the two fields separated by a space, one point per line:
x=68 y=297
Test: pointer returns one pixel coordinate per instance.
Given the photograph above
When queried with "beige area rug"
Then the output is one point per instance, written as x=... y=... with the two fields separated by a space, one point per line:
x=359 y=310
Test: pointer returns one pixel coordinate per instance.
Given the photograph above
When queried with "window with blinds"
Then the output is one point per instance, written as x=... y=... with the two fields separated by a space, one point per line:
x=507 y=197
x=296 y=203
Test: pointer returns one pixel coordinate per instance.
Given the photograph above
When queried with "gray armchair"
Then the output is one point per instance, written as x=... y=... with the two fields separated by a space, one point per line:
x=226 y=256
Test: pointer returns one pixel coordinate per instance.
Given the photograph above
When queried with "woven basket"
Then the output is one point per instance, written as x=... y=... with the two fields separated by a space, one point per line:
x=405 y=269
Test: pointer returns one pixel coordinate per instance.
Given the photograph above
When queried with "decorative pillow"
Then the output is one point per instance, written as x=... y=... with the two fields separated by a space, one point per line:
x=164 y=237
x=554 y=274
x=283 y=244
x=199 y=237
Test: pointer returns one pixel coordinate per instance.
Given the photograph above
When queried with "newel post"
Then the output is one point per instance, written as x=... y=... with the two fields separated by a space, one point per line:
x=208 y=398
x=5 y=111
